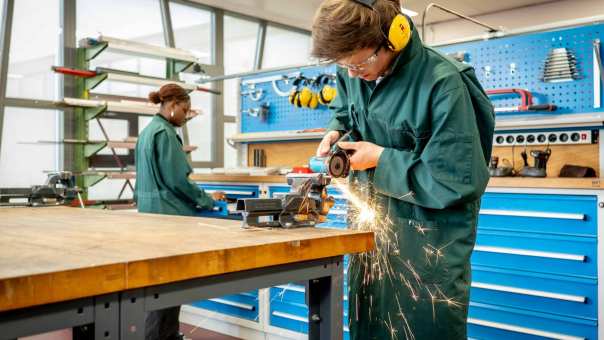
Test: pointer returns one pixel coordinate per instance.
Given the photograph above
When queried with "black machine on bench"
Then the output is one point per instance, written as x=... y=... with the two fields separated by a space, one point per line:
x=306 y=205
x=59 y=189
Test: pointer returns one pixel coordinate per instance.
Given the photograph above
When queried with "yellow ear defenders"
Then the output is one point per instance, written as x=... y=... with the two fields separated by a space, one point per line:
x=326 y=92
x=399 y=32
x=301 y=97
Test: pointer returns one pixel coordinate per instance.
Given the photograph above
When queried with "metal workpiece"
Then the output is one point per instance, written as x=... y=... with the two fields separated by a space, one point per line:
x=306 y=205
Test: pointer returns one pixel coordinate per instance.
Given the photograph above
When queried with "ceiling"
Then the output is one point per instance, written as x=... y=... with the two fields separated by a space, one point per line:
x=300 y=13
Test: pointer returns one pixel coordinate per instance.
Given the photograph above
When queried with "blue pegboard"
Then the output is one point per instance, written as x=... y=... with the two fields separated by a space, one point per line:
x=282 y=116
x=528 y=53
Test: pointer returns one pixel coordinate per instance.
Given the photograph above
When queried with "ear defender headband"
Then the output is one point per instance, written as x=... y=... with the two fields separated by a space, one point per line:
x=399 y=31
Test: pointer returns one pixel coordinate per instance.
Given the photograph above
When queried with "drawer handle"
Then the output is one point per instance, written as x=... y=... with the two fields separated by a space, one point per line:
x=233 y=304
x=538 y=214
x=523 y=330
x=539 y=293
x=290 y=316
x=337 y=212
x=292 y=288
x=512 y=251
x=231 y=192
x=339 y=197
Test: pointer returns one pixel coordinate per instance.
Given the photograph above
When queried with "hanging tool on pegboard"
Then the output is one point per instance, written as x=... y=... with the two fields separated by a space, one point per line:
x=526 y=101
x=261 y=112
x=560 y=66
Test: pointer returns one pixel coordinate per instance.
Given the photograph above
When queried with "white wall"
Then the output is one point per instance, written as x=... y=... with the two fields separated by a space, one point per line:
x=525 y=17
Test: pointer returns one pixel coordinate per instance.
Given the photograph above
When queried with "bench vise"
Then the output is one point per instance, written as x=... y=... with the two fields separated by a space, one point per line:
x=306 y=205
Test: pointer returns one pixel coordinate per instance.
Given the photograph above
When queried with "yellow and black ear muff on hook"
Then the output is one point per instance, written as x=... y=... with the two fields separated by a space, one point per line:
x=398 y=33
x=326 y=92
x=295 y=92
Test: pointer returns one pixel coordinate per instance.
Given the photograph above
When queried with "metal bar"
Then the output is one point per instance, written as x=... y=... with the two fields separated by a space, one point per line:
x=132 y=315
x=5 y=36
x=67 y=85
x=218 y=102
x=252 y=73
x=30 y=103
x=166 y=20
x=325 y=306
x=533 y=253
x=260 y=41
x=46 y=318
x=450 y=11
x=523 y=330
x=233 y=304
x=289 y=316
x=536 y=214
x=106 y=316
x=183 y=292
x=140 y=49
x=115 y=156
x=531 y=292
x=597 y=73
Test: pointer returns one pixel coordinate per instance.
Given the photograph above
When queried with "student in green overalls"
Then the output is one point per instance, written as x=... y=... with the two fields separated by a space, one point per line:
x=424 y=130
x=163 y=185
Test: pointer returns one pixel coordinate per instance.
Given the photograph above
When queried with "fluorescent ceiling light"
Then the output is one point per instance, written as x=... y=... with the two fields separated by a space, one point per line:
x=408 y=12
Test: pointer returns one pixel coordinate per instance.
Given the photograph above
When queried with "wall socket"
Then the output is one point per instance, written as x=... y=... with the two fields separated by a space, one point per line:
x=546 y=138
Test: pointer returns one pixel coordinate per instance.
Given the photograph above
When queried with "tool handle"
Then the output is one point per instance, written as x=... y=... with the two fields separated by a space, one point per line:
x=542 y=107
x=526 y=98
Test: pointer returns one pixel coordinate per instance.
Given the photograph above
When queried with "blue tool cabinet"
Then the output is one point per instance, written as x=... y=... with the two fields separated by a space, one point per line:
x=535 y=267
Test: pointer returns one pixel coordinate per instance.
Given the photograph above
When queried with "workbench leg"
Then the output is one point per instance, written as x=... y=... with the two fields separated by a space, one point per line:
x=132 y=315
x=106 y=320
x=107 y=317
x=325 y=305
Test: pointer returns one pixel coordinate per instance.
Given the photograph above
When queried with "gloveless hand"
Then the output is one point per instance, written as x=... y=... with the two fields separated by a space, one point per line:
x=366 y=155
x=328 y=140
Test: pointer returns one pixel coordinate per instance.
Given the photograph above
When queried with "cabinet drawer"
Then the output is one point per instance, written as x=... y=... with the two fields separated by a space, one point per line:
x=233 y=191
x=493 y=322
x=242 y=305
x=556 y=214
x=563 y=295
x=563 y=255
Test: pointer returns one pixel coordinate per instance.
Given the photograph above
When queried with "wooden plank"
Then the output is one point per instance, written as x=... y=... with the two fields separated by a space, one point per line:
x=55 y=254
x=548 y=183
x=288 y=154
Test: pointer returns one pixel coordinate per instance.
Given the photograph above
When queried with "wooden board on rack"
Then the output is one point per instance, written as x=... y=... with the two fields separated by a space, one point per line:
x=284 y=154
x=56 y=254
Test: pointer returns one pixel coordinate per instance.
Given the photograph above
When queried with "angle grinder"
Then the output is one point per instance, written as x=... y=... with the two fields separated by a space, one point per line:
x=337 y=162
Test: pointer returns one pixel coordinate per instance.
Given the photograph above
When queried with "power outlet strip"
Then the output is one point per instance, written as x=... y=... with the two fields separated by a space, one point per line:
x=545 y=138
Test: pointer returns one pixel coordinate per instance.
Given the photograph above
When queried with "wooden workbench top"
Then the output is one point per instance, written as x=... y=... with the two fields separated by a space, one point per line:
x=56 y=254
x=501 y=182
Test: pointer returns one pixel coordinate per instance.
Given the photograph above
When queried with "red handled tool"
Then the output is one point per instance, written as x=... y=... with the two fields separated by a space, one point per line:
x=526 y=101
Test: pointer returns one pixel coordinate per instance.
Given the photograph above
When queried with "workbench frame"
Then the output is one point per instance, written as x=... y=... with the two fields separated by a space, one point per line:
x=121 y=315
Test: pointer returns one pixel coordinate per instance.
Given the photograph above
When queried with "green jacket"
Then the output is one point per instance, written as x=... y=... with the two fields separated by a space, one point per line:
x=436 y=126
x=162 y=173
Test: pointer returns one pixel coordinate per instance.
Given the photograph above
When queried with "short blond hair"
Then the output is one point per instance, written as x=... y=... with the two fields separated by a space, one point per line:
x=341 y=27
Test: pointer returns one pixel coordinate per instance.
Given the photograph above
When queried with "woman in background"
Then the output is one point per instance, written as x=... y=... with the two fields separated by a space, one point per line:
x=162 y=182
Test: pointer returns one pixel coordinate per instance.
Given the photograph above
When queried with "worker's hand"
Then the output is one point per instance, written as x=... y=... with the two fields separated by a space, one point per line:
x=328 y=140
x=219 y=196
x=366 y=155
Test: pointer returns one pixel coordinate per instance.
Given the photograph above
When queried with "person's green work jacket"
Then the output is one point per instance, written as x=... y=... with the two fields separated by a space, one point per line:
x=162 y=173
x=436 y=124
